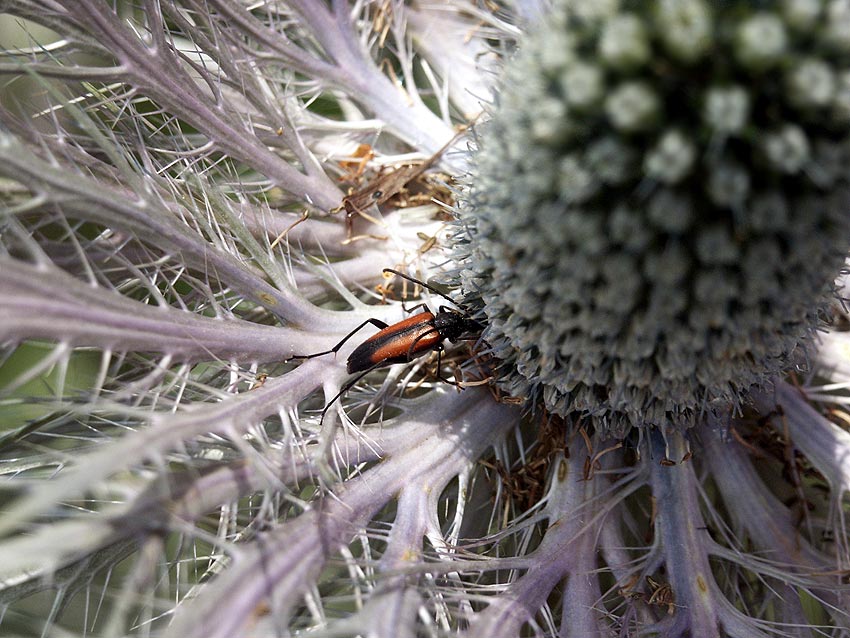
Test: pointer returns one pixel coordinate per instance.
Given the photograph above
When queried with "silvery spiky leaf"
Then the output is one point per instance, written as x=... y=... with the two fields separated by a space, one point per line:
x=173 y=175
x=660 y=206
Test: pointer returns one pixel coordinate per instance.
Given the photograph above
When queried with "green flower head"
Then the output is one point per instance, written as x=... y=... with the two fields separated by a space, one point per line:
x=660 y=204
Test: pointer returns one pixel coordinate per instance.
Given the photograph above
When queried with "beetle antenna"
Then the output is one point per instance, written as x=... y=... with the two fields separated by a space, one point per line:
x=421 y=283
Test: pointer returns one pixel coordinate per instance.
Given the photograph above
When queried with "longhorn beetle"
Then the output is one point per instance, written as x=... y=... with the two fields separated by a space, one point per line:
x=403 y=341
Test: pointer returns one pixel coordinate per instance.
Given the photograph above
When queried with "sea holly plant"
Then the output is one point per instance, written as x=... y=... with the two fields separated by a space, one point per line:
x=645 y=206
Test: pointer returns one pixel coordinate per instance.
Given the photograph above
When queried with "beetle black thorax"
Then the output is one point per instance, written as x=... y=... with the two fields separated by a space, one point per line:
x=451 y=324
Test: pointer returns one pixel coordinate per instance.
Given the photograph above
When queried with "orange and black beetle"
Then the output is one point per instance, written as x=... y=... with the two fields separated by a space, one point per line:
x=404 y=341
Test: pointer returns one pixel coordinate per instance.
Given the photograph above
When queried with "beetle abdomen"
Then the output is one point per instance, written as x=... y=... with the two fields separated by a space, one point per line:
x=396 y=343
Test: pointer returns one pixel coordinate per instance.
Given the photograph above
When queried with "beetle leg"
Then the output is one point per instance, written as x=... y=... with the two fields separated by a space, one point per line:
x=416 y=307
x=412 y=348
x=439 y=350
x=375 y=322
x=457 y=384
x=345 y=388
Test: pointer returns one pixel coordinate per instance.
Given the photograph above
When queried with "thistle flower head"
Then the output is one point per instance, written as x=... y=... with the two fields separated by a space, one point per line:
x=659 y=205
